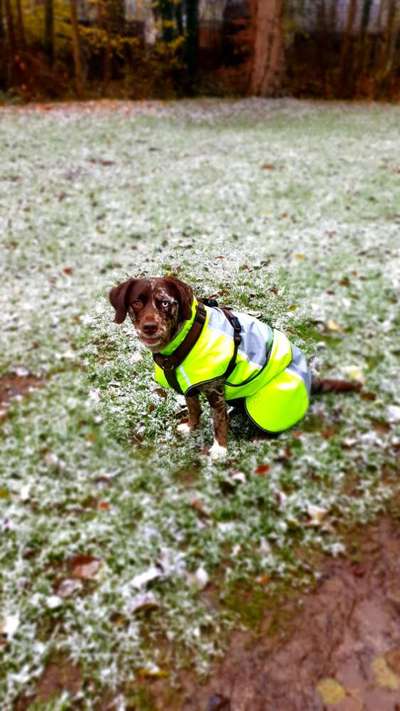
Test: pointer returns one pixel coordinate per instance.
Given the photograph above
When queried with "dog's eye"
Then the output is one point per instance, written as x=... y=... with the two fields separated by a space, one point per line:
x=164 y=303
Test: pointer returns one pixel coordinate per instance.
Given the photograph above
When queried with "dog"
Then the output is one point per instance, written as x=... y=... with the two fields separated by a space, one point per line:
x=201 y=348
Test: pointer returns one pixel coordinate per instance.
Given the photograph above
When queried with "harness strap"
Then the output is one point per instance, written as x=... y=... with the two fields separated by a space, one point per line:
x=237 y=337
x=169 y=363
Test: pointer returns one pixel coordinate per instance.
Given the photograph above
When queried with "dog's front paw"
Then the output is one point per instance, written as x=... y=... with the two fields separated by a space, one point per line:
x=184 y=429
x=217 y=452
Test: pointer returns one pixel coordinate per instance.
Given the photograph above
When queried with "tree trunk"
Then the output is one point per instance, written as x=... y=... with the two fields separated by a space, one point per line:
x=346 y=73
x=391 y=39
x=192 y=31
x=20 y=25
x=76 y=48
x=268 y=54
x=2 y=21
x=49 y=30
x=364 y=52
x=11 y=38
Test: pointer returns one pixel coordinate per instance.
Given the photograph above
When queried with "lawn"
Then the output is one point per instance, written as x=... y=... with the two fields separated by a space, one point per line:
x=123 y=549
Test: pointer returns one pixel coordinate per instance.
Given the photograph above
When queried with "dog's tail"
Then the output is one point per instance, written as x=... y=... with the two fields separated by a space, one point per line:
x=332 y=385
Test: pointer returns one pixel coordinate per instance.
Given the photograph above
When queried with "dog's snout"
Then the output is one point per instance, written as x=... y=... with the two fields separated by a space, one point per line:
x=149 y=328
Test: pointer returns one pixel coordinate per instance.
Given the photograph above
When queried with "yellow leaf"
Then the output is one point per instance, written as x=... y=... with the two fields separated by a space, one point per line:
x=333 y=326
x=384 y=676
x=331 y=691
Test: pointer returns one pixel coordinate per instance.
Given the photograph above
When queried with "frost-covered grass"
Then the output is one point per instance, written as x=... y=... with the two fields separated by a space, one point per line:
x=286 y=208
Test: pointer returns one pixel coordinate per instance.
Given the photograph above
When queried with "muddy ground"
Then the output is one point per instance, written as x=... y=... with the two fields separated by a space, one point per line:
x=337 y=647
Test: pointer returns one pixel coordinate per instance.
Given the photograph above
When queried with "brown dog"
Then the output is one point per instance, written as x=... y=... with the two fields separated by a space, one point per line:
x=157 y=308
x=239 y=357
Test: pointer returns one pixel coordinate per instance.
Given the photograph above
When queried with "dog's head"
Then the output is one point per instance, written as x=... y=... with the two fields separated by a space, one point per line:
x=156 y=306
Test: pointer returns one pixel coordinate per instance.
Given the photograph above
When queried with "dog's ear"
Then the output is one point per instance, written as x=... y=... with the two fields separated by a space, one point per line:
x=119 y=297
x=185 y=296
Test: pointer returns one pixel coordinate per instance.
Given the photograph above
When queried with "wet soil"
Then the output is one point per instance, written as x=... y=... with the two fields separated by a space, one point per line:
x=16 y=386
x=337 y=647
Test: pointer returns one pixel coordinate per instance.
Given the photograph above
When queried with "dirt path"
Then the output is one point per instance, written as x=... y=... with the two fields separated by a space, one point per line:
x=339 y=648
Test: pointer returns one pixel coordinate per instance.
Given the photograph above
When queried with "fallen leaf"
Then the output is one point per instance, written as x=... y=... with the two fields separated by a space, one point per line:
x=146 y=600
x=333 y=326
x=198 y=506
x=384 y=676
x=263 y=469
x=316 y=514
x=331 y=691
x=263 y=579
x=393 y=659
x=67 y=587
x=103 y=505
x=85 y=567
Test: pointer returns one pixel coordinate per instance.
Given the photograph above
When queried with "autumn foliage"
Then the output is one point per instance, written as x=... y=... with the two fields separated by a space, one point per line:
x=169 y=48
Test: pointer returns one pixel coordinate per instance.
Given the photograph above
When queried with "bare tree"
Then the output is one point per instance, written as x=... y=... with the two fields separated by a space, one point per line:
x=346 y=73
x=391 y=37
x=267 y=65
x=49 y=30
x=76 y=48
x=11 y=38
x=20 y=25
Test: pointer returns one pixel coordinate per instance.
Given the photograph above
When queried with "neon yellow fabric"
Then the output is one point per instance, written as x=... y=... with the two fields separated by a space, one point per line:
x=275 y=397
x=280 y=403
x=207 y=360
x=280 y=357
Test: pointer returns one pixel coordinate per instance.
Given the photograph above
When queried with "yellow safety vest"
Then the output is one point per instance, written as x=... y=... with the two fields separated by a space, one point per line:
x=268 y=372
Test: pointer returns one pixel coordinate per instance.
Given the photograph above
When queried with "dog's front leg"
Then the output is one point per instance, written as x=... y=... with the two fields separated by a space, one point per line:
x=215 y=397
x=194 y=410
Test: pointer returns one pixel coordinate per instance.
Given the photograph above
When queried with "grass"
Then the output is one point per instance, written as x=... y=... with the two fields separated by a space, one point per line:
x=287 y=208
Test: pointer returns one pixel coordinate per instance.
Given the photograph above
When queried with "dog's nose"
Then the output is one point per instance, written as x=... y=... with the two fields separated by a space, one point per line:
x=149 y=328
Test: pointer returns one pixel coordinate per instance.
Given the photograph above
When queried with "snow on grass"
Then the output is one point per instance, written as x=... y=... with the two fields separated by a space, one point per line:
x=287 y=208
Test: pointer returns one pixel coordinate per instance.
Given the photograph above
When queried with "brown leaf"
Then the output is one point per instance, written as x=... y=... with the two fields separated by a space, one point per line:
x=328 y=432
x=263 y=579
x=198 y=506
x=67 y=587
x=103 y=505
x=263 y=469
x=84 y=567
